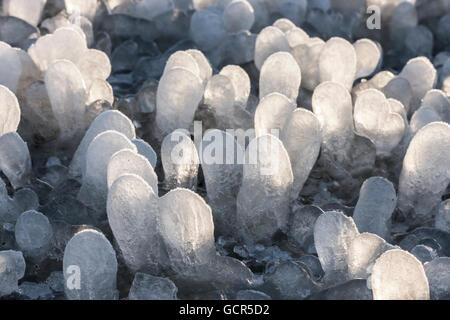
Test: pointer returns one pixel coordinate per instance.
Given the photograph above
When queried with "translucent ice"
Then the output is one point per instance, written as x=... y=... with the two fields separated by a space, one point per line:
x=270 y=40
x=68 y=95
x=294 y=10
x=307 y=56
x=272 y=113
x=442 y=220
x=12 y=269
x=296 y=36
x=205 y=70
x=11 y=208
x=15 y=160
x=421 y=74
x=425 y=173
x=100 y=90
x=108 y=120
x=376 y=203
x=375 y=120
x=333 y=235
x=85 y=8
x=263 y=199
x=90 y=267
x=219 y=95
x=184 y=60
x=147 y=287
x=94 y=189
x=33 y=234
x=398 y=275
x=280 y=73
x=10 y=67
x=368 y=56
x=207 y=28
x=302 y=138
x=438 y=277
x=133 y=215
x=27 y=10
x=221 y=159
x=128 y=162
x=9 y=111
x=438 y=100
x=252 y=295
x=180 y=160
x=238 y=15
x=301 y=227
x=338 y=62
x=179 y=93
x=93 y=64
x=240 y=81
x=423 y=116
x=399 y=88
x=424 y=253
x=146 y=150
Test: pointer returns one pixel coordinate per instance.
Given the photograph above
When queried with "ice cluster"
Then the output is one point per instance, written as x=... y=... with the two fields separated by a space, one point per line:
x=224 y=149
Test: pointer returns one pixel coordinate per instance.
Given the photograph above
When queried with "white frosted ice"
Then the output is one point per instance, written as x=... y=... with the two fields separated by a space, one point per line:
x=27 y=10
x=272 y=113
x=240 y=81
x=146 y=150
x=269 y=40
x=10 y=67
x=238 y=15
x=9 y=111
x=368 y=57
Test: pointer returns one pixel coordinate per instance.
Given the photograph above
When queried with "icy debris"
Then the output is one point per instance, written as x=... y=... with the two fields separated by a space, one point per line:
x=15 y=160
x=204 y=68
x=280 y=73
x=302 y=138
x=442 y=220
x=186 y=225
x=147 y=287
x=9 y=111
x=68 y=95
x=399 y=89
x=65 y=43
x=263 y=199
x=207 y=28
x=12 y=269
x=423 y=116
x=272 y=113
x=364 y=249
x=180 y=160
x=85 y=8
x=10 y=67
x=128 y=162
x=240 y=81
x=289 y=281
x=179 y=93
x=398 y=275
x=11 y=208
x=338 y=62
x=133 y=215
x=34 y=234
x=376 y=203
x=307 y=56
x=424 y=253
x=108 y=120
x=90 y=267
x=35 y=291
x=375 y=119
x=301 y=227
x=438 y=277
x=425 y=173
x=332 y=104
x=269 y=41
x=440 y=102
x=221 y=158
x=94 y=189
x=238 y=16
x=368 y=57
x=422 y=76
x=333 y=235
x=146 y=150
x=252 y=295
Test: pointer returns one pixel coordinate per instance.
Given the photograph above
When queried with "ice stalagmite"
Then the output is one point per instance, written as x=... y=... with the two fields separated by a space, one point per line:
x=302 y=138
x=221 y=160
x=94 y=189
x=263 y=199
x=15 y=160
x=368 y=56
x=133 y=215
x=180 y=160
x=272 y=113
x=90 y=267
x=398 y=275
x=269 y=41
x=240 y=81
x=426 y=170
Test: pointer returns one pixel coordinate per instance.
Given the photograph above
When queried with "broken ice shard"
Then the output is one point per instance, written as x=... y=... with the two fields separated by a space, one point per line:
x=133 y=215
x=398 y=275
x=376 y=203
x=425 y=173
x=280 y=73
x=148 y=287
x=264 y=197
x=180 y=160
x=15 y=160
x=90 y=267
x=94 y=189
x=12 y=269
x=33 y=234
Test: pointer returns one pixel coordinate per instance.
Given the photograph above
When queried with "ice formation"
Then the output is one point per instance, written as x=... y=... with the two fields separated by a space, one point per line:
x=15 y=160
x=12 y=269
